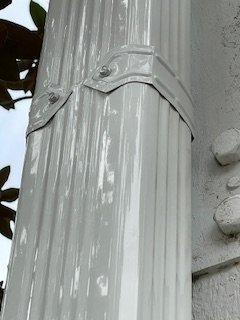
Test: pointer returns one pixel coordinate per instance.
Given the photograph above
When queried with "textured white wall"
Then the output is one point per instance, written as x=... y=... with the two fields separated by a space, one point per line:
x=216 y=92
x=217 y=297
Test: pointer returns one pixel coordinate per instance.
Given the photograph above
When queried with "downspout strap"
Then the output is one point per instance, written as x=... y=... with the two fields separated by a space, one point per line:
x=137 y=63
x=45 y=106
x=130 y=63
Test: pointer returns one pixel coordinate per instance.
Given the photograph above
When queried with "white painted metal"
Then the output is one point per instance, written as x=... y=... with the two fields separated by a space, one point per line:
x=45 y=105
x=103 y=228
x=135 y=63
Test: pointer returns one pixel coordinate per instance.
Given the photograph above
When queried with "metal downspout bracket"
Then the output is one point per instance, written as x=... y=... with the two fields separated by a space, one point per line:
x=45 y=105
x=139 y=63
x=126 y=64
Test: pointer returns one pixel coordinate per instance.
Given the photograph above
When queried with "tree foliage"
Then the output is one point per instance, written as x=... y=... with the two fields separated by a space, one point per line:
x=8 y=195
x=4 y=3
x=19 y=51
x=6 y=214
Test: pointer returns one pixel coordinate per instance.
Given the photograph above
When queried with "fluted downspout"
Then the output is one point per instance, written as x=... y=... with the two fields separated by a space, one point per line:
x=104 y=218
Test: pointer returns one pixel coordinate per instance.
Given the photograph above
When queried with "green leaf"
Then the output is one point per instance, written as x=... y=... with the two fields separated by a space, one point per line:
x=9 y=195
x=4 y=174
x=3 y=35
x=6 y=102
x=24 y=64
x=8 y=67
x=20 y=42
x=7 y=213
x=38 y=15
x=14 y=85
x=4 y=3
x=30 y=80
x=6 y=216
x=26 y=84
x=5 y=228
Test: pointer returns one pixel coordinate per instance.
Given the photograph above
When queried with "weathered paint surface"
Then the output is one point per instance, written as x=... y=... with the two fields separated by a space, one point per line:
x=216 y=92
x=104 y=220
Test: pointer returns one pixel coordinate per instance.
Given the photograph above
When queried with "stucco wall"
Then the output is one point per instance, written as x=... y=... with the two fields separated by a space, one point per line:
x=217 y=296
x=216 y=93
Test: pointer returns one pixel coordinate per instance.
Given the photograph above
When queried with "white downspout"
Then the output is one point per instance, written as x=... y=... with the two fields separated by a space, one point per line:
x=103 y=228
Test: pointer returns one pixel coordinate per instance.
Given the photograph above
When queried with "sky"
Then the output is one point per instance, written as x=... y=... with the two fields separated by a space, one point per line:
x=13 y=125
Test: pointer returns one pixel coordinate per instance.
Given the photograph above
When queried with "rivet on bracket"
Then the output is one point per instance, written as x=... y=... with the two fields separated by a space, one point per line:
x=53 y=97
x=104 y=71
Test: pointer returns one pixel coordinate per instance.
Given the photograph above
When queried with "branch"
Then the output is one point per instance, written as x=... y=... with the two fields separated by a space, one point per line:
x=16 y=100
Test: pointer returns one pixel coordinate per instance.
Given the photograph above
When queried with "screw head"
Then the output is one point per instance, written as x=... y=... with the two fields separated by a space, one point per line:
x=104 y=71
x=53 y=97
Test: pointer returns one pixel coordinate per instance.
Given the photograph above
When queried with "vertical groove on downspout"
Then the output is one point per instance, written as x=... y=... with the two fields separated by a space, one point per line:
x=161 y=213
x=171 y=223
x=183 y=308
